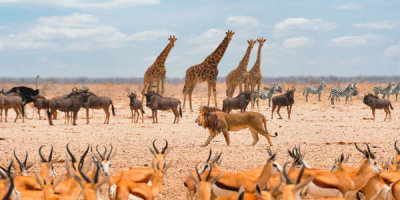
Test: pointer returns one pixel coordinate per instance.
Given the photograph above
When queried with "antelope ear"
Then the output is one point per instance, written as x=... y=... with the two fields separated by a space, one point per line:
x=58 y=181
x=113 y=155
x=103 y=181
x=167 y=151
x=39 y=181
x=55 y=160
x=196 y=183
x=78 y=179
x=304 y=183
x=170 y=164
x=29 y=166
x=152 y=151
x=216 y=178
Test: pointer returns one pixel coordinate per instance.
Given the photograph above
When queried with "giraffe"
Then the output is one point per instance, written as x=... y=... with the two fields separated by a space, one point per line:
x=206 y=71
x=238 y=76
x=157 y=70
x=255 y=76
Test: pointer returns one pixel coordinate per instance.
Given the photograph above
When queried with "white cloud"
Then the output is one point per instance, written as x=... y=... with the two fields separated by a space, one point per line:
x=352 y=40
x=150 y=35
x=82 y=4
x=242 y=22
x=393 y=51
x=348 y=6
x=208 y=40
x=297 y=42
x=294 y=25
x=384 y=24
x=73 y=32
x=354 y=61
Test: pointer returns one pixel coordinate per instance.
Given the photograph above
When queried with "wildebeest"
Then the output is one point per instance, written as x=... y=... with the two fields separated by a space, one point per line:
x=40 y=102
x=97 y=102
x=239 y=102
x=26 y=93
x=70 y=103
x=375 y=103
x=157 y=102
x=136 y=105
x=11 y=100
x=286 y=99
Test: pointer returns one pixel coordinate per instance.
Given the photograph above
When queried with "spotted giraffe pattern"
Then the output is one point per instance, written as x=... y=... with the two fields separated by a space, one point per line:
x=206 y=71
x=255 y=76
x=157 y=71
x=238 y=76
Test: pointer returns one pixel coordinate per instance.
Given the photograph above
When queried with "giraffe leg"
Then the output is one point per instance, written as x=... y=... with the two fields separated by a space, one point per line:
x=162 y=85
x=158 y=86
x=252 y=95
x=215 y=93
x=209 y=86
x=190 y=99
x=145 y=85
x=258 y=92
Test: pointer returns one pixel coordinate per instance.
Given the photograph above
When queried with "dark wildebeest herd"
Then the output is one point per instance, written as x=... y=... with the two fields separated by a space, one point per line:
x=17 y=97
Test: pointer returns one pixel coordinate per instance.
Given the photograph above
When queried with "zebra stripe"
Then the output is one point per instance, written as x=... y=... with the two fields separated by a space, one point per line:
x=342 y=92
x=311 y=90
x=384 y=91
x=266 y=93
x=396 y=90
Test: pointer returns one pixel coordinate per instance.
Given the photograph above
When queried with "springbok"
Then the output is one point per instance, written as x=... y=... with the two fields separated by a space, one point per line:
x=139 y=175
x=104 y=159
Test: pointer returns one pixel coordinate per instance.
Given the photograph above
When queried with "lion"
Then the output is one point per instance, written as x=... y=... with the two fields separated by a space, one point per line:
x=216 y=121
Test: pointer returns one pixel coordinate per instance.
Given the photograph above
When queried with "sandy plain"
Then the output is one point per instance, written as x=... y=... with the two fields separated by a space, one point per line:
x=323 y=131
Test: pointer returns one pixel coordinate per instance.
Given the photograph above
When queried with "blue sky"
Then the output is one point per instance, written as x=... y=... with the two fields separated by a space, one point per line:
x=121 y=38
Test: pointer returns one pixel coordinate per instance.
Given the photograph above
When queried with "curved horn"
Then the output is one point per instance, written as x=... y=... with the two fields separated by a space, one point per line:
x=82 y=160
x=98 y=152
x=197 y=172
x=269 y=151
x=355 y=144
x=111 y=149
x=209 y=173
x=277 y=187
x=40 y=154
x=300 y=175
x=165 y=147
x=369 y=151
x=81 y=172
x=73 y=159
x=209 y=156
x=96 y=175
x=16 y=158
x=288 y=180
x=51 y=154
x=26 y=158
x=154 y=146
x=395 y=147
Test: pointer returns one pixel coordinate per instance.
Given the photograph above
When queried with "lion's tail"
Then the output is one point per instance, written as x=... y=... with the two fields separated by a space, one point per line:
x=265 y=127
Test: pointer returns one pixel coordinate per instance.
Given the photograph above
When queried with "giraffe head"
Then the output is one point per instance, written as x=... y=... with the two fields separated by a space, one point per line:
x=172 y=39
x=251 y=42
x=229 y=34
x=261 y=41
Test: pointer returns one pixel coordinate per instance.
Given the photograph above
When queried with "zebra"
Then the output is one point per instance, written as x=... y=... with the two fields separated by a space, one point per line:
x=385 y=91
x=342 y=92
x=396 y=90
x=267 y=93
x=312 y=90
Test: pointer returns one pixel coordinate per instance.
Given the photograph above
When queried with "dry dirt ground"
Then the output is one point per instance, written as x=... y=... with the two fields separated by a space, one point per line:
x=322 y=130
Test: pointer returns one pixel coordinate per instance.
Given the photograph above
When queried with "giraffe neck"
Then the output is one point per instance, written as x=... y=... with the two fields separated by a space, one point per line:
x=245 y=60
x=256 y=66
x=160 y=61
x=213 y=59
